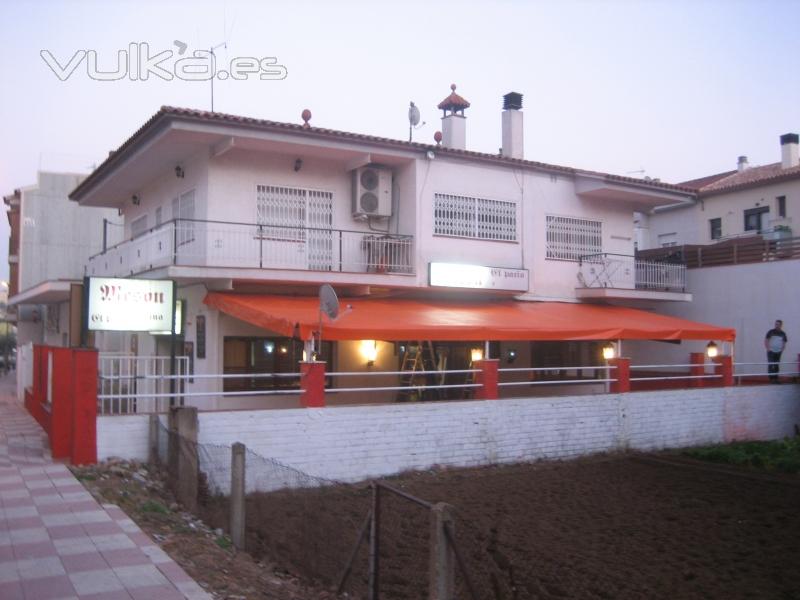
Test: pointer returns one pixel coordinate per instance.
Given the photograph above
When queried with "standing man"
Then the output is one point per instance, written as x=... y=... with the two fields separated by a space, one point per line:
x=775 y=342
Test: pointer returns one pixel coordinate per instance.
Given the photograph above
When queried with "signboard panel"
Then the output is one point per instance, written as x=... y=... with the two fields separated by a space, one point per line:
x=130 y=305
x=478 y=277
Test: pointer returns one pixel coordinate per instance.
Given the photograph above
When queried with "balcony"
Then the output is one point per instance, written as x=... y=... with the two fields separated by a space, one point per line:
x=768 y=246
x=619 y=276
x=194 y=243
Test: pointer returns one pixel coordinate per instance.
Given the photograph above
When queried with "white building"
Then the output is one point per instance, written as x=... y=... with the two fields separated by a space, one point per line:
x=739 y=240
x=232 y=207
x=51 y=240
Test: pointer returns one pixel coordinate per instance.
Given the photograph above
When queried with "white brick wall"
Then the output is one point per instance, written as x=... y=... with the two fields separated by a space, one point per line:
x=354 y=443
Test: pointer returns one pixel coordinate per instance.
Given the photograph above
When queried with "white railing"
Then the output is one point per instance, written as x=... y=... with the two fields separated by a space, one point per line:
x=187 y=242
x=139 y=384
x=620 y=271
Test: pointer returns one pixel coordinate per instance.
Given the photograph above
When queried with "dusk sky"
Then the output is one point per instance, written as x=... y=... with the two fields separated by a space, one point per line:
x=674 y=90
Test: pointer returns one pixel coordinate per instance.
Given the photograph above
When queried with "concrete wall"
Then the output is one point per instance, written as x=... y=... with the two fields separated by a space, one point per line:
x=748 y=297
x=355 y=443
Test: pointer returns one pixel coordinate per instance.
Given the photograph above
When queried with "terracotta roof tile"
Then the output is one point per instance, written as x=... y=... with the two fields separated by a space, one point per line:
x=453 y=101
x=168 y=112
x=751 y=177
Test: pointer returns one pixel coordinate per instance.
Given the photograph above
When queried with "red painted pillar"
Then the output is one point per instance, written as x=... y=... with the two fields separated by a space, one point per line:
x=621 y=375
x=312 y=384
x=487 y=377
x=698 y=368
x=84 y=406
x=61 y=407
x=724 y=367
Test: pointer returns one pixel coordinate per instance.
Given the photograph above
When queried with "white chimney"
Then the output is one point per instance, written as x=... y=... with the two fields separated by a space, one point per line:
x=454 y=123
x=512 y=126
x=742 y=165
x=790 y=156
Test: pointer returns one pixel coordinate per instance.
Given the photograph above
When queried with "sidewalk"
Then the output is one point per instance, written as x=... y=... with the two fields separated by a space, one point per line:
x=56 y=541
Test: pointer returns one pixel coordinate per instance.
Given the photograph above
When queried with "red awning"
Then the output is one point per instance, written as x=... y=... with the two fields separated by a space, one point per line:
x=398 y=319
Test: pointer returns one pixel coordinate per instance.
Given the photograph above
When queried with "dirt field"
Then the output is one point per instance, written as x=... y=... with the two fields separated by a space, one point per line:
x=629 y=527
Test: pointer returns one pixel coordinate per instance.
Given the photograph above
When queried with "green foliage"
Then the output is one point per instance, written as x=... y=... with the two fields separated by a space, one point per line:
x=151 y=506
x=223 y=542
x=783 y=455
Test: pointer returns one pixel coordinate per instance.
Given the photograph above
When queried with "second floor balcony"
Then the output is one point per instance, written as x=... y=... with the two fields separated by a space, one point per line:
x=196 y=243
x=627 y=277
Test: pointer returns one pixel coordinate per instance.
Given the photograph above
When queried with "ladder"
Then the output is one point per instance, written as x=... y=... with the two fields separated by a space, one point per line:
x=418 y=357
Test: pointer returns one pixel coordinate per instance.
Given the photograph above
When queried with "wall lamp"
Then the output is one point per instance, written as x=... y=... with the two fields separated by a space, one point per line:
x=609 y=351
x=179 y=172
x=369 y=350
x=511 y=355
x=136 y=200
x=712 y=350
x=298 y=164
x=476 y=354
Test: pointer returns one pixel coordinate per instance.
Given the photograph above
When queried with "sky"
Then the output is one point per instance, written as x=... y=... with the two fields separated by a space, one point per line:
x=667 y=89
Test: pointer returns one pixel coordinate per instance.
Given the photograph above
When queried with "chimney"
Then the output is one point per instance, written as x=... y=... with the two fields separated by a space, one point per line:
x=742 y=165
x=790 y=157
x=512 y=126
x=454 y=123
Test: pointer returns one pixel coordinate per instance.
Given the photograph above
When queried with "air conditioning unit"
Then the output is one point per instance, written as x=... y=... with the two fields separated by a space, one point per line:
x=372 y=192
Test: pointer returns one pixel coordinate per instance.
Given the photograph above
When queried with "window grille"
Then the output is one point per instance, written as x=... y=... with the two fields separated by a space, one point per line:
x=478 y=218
x=139 y=226
x=183 y=213
x=298 y=215
x=569 y=238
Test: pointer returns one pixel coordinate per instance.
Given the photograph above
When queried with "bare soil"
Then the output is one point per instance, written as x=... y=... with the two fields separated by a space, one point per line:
x=620 y=527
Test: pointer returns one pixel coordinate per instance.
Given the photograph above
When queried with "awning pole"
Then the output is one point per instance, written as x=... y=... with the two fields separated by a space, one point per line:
x=486 y=349
x=619 y=348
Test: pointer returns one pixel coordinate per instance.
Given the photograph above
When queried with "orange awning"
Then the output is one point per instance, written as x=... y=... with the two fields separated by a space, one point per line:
x=398 y=319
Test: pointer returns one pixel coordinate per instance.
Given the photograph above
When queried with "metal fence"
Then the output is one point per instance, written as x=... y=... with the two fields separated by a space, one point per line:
x=620 y=271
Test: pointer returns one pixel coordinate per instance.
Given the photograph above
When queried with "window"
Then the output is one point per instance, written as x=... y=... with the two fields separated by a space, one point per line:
x=183 y=214
x=478 y=218
x=665 y=240
x=780 y=201
x=716 y=228
x=753 y=218
x=139 y=226
x=569 y=238
x=251 y=355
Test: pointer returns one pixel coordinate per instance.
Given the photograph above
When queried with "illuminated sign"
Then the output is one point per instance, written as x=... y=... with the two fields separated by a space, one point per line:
x=478 y=277
x=130 y=305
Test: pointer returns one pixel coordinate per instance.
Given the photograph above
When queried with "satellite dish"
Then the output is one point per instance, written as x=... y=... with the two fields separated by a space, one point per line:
x=328 y=302
x=413 y=115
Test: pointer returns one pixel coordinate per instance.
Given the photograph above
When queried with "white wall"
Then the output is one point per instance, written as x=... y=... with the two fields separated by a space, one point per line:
x=355 y=443
x=748 y=297
x=56 y=235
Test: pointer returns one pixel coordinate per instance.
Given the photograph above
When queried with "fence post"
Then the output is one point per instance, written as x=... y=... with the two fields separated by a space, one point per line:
x=187 y=466
x=621 y=375
x=83 y=438
x=441 y=582
x=487 y=378
x=724 y=367
x=237 y=495
x=374 y=545
x=312 y=384
x=698 y=368
x=152 y=454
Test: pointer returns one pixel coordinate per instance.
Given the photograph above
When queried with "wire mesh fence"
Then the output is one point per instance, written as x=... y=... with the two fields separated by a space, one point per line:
x=319 y=528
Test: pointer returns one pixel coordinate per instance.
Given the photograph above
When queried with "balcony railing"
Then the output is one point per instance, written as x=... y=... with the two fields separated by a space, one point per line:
x=190 y=242
x=620 y=271
x=743 y=250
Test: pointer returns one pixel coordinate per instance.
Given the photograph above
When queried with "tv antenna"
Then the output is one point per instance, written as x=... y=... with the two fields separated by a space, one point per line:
x=639 y=171
x=413 y=120
x=213 y=67
x=328 y=305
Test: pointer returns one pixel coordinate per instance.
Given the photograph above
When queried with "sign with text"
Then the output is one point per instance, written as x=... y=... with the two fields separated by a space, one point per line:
x=478 y=277
x=130 y=305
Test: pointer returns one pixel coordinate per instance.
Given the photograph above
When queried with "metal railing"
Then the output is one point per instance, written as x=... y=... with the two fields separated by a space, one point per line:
x=131 y=384
x=620 y=271
x=191 y=242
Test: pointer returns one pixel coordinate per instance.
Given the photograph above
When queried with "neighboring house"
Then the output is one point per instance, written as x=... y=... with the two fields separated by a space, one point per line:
x=739 y=239
x=239 y=210
x=51 y=239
